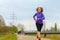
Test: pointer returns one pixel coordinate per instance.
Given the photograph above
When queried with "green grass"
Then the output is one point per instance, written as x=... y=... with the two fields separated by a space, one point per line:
x=49 y=36
x=8 y=36
x=53 y=36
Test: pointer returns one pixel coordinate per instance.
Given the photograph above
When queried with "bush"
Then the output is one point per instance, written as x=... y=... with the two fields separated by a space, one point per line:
x=8 y=29
x=14 y=29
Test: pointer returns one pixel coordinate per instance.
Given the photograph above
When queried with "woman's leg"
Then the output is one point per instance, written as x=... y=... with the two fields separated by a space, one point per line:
x=39 y=30
x=38 y=34
x=39 y=27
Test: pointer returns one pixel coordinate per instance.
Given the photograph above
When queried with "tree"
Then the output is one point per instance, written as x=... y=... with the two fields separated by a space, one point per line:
x=15 y=30
x=55 y=27
x=3 y=29
x=2 y=22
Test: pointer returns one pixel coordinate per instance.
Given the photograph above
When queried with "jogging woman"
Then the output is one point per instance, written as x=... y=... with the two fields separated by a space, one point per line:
x=39 y=17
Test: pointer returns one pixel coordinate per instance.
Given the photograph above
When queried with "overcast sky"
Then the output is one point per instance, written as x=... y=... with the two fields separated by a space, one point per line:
x=25 y=9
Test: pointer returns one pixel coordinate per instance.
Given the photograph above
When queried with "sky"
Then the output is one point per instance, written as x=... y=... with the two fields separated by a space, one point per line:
x=25 y=9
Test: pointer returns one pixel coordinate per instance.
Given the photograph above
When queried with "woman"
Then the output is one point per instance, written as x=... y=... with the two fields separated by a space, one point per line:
x=39 y=17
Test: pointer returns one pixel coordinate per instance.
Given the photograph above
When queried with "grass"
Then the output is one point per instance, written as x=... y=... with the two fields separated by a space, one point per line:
x=8 y=36
x=49 y=36
x=53 y=36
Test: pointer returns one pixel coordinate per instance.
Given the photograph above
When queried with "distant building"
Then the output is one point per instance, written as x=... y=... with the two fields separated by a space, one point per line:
x=2 y=22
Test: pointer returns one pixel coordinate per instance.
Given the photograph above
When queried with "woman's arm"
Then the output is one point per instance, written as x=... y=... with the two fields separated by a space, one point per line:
x=43 y=17
x=34 y=17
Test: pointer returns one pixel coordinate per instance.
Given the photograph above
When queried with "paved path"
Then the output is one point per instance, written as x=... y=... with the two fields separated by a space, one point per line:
x=23 y=37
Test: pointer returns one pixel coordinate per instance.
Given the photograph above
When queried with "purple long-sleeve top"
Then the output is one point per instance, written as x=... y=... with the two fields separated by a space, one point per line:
x=39 y=17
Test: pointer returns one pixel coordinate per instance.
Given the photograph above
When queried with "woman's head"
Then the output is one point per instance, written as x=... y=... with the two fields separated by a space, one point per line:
x=39 y=9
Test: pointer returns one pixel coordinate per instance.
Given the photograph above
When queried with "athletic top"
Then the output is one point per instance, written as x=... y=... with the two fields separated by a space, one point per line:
x=39 y=17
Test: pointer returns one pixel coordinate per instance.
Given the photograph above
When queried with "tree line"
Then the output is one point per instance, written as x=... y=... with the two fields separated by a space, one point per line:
x=8 y=29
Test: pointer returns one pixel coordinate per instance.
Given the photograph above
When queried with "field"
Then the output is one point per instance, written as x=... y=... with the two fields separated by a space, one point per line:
x=49 y=36
x=8 y=36
x=54 y=36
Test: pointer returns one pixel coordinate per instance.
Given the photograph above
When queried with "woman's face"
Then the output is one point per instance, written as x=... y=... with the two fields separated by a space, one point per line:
x=39 y=9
